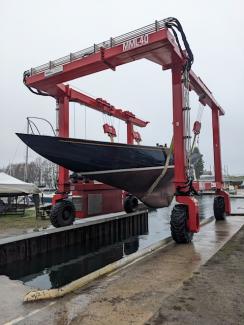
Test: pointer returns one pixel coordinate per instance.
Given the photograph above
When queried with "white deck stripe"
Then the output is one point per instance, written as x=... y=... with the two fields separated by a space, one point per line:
x=123 y=170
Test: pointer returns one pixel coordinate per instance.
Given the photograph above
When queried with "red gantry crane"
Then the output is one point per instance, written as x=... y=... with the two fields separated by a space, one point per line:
x=83 y=189
x=96 y=198
x=160 y=44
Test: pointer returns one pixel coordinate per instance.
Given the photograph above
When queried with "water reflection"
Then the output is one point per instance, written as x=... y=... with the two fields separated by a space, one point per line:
x=62 y=266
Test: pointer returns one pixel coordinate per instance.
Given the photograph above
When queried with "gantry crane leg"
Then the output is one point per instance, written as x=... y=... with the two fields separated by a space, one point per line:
x=185 y=216
x=222 y=206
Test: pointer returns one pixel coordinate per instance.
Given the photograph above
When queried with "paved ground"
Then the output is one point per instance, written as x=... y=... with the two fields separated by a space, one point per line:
x=214 y=295
x=132 y=295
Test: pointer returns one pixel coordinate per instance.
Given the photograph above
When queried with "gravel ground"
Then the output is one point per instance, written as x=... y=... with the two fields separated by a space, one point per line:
x=212 y=296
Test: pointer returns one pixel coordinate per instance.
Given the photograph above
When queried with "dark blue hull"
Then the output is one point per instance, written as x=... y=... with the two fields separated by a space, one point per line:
x=87 y=156
x=132 y=168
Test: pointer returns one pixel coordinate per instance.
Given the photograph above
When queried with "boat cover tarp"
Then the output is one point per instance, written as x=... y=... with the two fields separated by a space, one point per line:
x=12 y=185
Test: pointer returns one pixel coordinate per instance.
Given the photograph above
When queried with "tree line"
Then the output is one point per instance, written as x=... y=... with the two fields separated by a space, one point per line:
x=40 y=172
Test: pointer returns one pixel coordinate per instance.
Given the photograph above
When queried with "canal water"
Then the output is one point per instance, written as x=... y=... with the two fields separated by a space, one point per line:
x=62 y=266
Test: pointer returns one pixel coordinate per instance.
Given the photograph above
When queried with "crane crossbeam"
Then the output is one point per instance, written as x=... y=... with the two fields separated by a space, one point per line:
x=153 y=42
x=100 y=105
x=134 y=38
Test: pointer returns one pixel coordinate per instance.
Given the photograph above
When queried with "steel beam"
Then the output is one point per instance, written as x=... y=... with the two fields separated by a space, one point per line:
x=63 y=131
x=217 y=148
x=178 y=126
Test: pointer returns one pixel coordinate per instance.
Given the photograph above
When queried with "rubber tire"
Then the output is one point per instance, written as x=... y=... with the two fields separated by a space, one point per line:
x=130 y=204
x=178 y=225
x=62 y=214
x=219 y=208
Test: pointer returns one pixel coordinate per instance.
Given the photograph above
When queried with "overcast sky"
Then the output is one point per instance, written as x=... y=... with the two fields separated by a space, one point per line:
x=34 y=32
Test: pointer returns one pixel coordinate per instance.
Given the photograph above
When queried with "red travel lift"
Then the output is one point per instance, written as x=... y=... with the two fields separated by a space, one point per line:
x=88 y=197
x=156 y=43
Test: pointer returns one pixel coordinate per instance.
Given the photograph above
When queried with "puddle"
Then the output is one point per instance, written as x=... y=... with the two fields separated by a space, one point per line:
x=62 y=266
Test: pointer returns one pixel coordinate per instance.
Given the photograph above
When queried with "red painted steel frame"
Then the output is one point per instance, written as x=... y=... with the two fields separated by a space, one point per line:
x=130 y=137
x=97 y=104
x=180 y=179
x=178 y=126
x=217 y=149
x=193 y=222
x=179 y=151
x=111 y=198
x=217 y=160
x=159 y=47
x=63 y=131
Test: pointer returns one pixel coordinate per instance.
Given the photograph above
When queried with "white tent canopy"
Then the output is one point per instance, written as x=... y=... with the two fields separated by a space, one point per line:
x=11 y=185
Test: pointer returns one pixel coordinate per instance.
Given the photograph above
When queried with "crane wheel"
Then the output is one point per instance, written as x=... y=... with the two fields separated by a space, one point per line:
x=219 y=208
x=130 y=204
x=62 y=214
x=178 y=225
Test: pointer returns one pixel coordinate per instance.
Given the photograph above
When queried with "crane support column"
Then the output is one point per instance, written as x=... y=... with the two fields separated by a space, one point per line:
x=216 y=149
x=217 y=160
x=178 y=126
x=63 y=131
x=180 y=178
x=130 y=139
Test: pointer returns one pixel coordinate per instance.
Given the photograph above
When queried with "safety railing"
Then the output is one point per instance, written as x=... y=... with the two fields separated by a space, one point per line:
x=157 y=25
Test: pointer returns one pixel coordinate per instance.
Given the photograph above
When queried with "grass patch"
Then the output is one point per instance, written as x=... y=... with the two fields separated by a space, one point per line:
x=28 y=220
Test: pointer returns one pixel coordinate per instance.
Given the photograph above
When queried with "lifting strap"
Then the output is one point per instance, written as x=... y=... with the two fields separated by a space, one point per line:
x=161 y=176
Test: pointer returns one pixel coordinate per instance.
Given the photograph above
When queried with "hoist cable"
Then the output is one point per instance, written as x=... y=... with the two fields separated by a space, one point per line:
x=186 y=117
x=36 y=92
x=174 y=23
x=165 y=168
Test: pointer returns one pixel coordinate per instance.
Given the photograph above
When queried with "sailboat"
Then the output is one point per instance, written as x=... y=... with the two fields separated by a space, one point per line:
x=145 y=172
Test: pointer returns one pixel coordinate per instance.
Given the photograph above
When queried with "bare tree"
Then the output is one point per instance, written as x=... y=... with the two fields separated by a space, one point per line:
x=40 y=172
